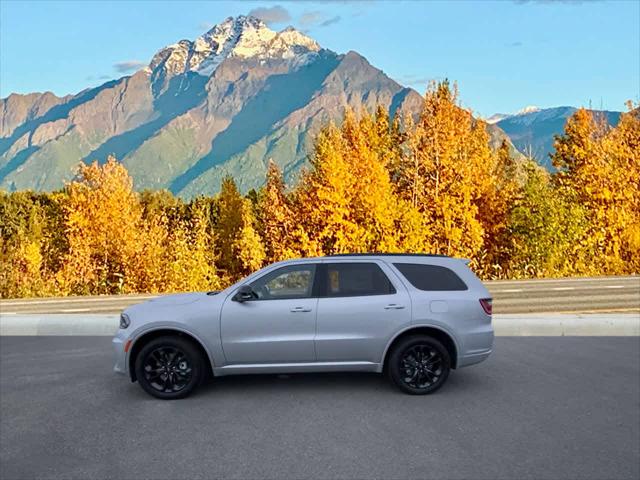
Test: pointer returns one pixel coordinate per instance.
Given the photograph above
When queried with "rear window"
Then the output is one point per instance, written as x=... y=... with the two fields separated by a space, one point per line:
x=430 y=277
x=356 y=279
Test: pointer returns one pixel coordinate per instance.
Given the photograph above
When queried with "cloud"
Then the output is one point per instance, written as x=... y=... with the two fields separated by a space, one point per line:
x=129 y=66
x=91 y=78
x=330 y=21
x=317 y=19
x=514 y=44
x=269 y=15
x=311 y=18
x=413 y=79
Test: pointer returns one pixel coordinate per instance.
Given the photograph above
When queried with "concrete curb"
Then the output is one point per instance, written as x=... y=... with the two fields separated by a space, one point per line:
x=558 y=324
x=59 y=324
x=588 y=324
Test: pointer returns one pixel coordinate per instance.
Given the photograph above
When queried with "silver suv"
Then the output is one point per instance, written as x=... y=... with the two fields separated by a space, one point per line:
x=412 y=316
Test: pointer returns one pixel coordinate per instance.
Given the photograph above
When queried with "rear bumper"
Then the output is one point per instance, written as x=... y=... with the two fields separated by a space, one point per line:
x=477 y=345
x=473 y=358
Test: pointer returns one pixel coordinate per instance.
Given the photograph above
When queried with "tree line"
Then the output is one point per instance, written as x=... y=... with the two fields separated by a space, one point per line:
x=374 y=184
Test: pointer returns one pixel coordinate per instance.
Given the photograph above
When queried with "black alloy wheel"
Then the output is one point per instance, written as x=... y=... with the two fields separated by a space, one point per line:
x=419 y=365
x=169 y=367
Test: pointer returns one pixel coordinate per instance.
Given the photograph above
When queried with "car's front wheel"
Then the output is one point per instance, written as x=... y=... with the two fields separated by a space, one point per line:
x=419 y=365
x=169 y=367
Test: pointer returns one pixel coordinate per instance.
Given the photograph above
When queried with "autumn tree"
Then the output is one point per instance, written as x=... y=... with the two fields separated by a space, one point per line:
x=498 y=193
x=347 y=201
x=599 y=167
x=372 y=205
x=278 y=224
x=190 y=257
x=544 y=230
x=375 y=184
x=239 y=245
x=102 y=221
x=446 y=172
x=32 y=243
x=622 y=147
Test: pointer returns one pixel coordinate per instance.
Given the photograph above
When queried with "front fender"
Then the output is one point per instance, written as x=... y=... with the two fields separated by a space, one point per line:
x=168 y=327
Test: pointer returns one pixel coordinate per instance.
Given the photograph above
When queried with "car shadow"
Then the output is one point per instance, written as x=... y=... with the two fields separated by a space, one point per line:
x=354 y=381
x=316 y=384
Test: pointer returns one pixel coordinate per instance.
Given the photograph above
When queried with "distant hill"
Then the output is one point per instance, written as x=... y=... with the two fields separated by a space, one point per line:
x=532 y=130
x=224 y=103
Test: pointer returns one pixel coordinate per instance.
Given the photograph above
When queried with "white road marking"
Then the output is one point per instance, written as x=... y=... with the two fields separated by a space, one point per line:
x=70 y=310
x=578 y=312
x=540 y=290
x=79 y=300
x=8 y=313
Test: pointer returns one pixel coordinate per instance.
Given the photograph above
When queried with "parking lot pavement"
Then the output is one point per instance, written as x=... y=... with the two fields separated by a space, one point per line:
x=538 y=408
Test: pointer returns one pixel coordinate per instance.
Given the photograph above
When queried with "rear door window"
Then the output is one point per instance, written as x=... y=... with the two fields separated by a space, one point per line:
x=357 y=279
x=431 y=278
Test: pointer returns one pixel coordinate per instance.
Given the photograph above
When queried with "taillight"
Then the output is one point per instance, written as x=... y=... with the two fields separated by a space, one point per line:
x=486 y=305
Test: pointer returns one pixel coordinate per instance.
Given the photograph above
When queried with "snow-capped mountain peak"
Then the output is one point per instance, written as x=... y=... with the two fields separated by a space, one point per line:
x=498 y=117
x=528 y=109
x=242 y=36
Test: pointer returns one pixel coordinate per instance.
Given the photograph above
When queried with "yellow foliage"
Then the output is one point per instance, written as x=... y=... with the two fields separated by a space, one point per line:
x=103 y=220
x=346 y=203
x=374 y=185
x=600 y=167
x=278 y=224
x=240 y=246
x=447 y=172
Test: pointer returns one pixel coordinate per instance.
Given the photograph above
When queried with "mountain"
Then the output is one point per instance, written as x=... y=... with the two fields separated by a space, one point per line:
x=496 y=117
x=532 y=129
x=224 y=103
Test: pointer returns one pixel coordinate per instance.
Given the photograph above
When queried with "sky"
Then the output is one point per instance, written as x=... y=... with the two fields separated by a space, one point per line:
x=504 y=54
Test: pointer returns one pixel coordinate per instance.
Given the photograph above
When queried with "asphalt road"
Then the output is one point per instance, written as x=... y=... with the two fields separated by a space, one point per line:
x=539 y=408
x=570 y=295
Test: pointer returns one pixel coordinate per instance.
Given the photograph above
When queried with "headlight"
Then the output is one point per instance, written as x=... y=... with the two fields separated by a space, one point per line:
x=125 y=321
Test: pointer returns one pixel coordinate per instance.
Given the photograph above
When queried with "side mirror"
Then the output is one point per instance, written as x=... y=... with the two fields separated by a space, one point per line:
x=244 y=293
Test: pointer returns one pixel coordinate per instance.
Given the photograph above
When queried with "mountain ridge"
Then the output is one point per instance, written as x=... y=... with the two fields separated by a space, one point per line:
x=532 y=131
x=224 y=103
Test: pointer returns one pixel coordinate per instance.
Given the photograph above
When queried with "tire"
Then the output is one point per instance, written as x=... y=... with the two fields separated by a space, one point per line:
x=411 y=369
x=169 y=367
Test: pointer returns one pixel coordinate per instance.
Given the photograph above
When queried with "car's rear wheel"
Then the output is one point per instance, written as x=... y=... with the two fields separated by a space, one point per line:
x=169 y=367
x=419 y=365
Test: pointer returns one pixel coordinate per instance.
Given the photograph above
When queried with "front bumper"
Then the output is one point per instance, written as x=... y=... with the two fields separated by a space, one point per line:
x=119 y=355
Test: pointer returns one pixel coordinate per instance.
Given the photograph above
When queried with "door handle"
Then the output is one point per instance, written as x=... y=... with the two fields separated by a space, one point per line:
x=394 y=306
x=299 y=309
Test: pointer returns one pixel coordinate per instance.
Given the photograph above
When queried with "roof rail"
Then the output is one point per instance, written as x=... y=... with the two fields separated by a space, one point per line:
x=388 y=255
